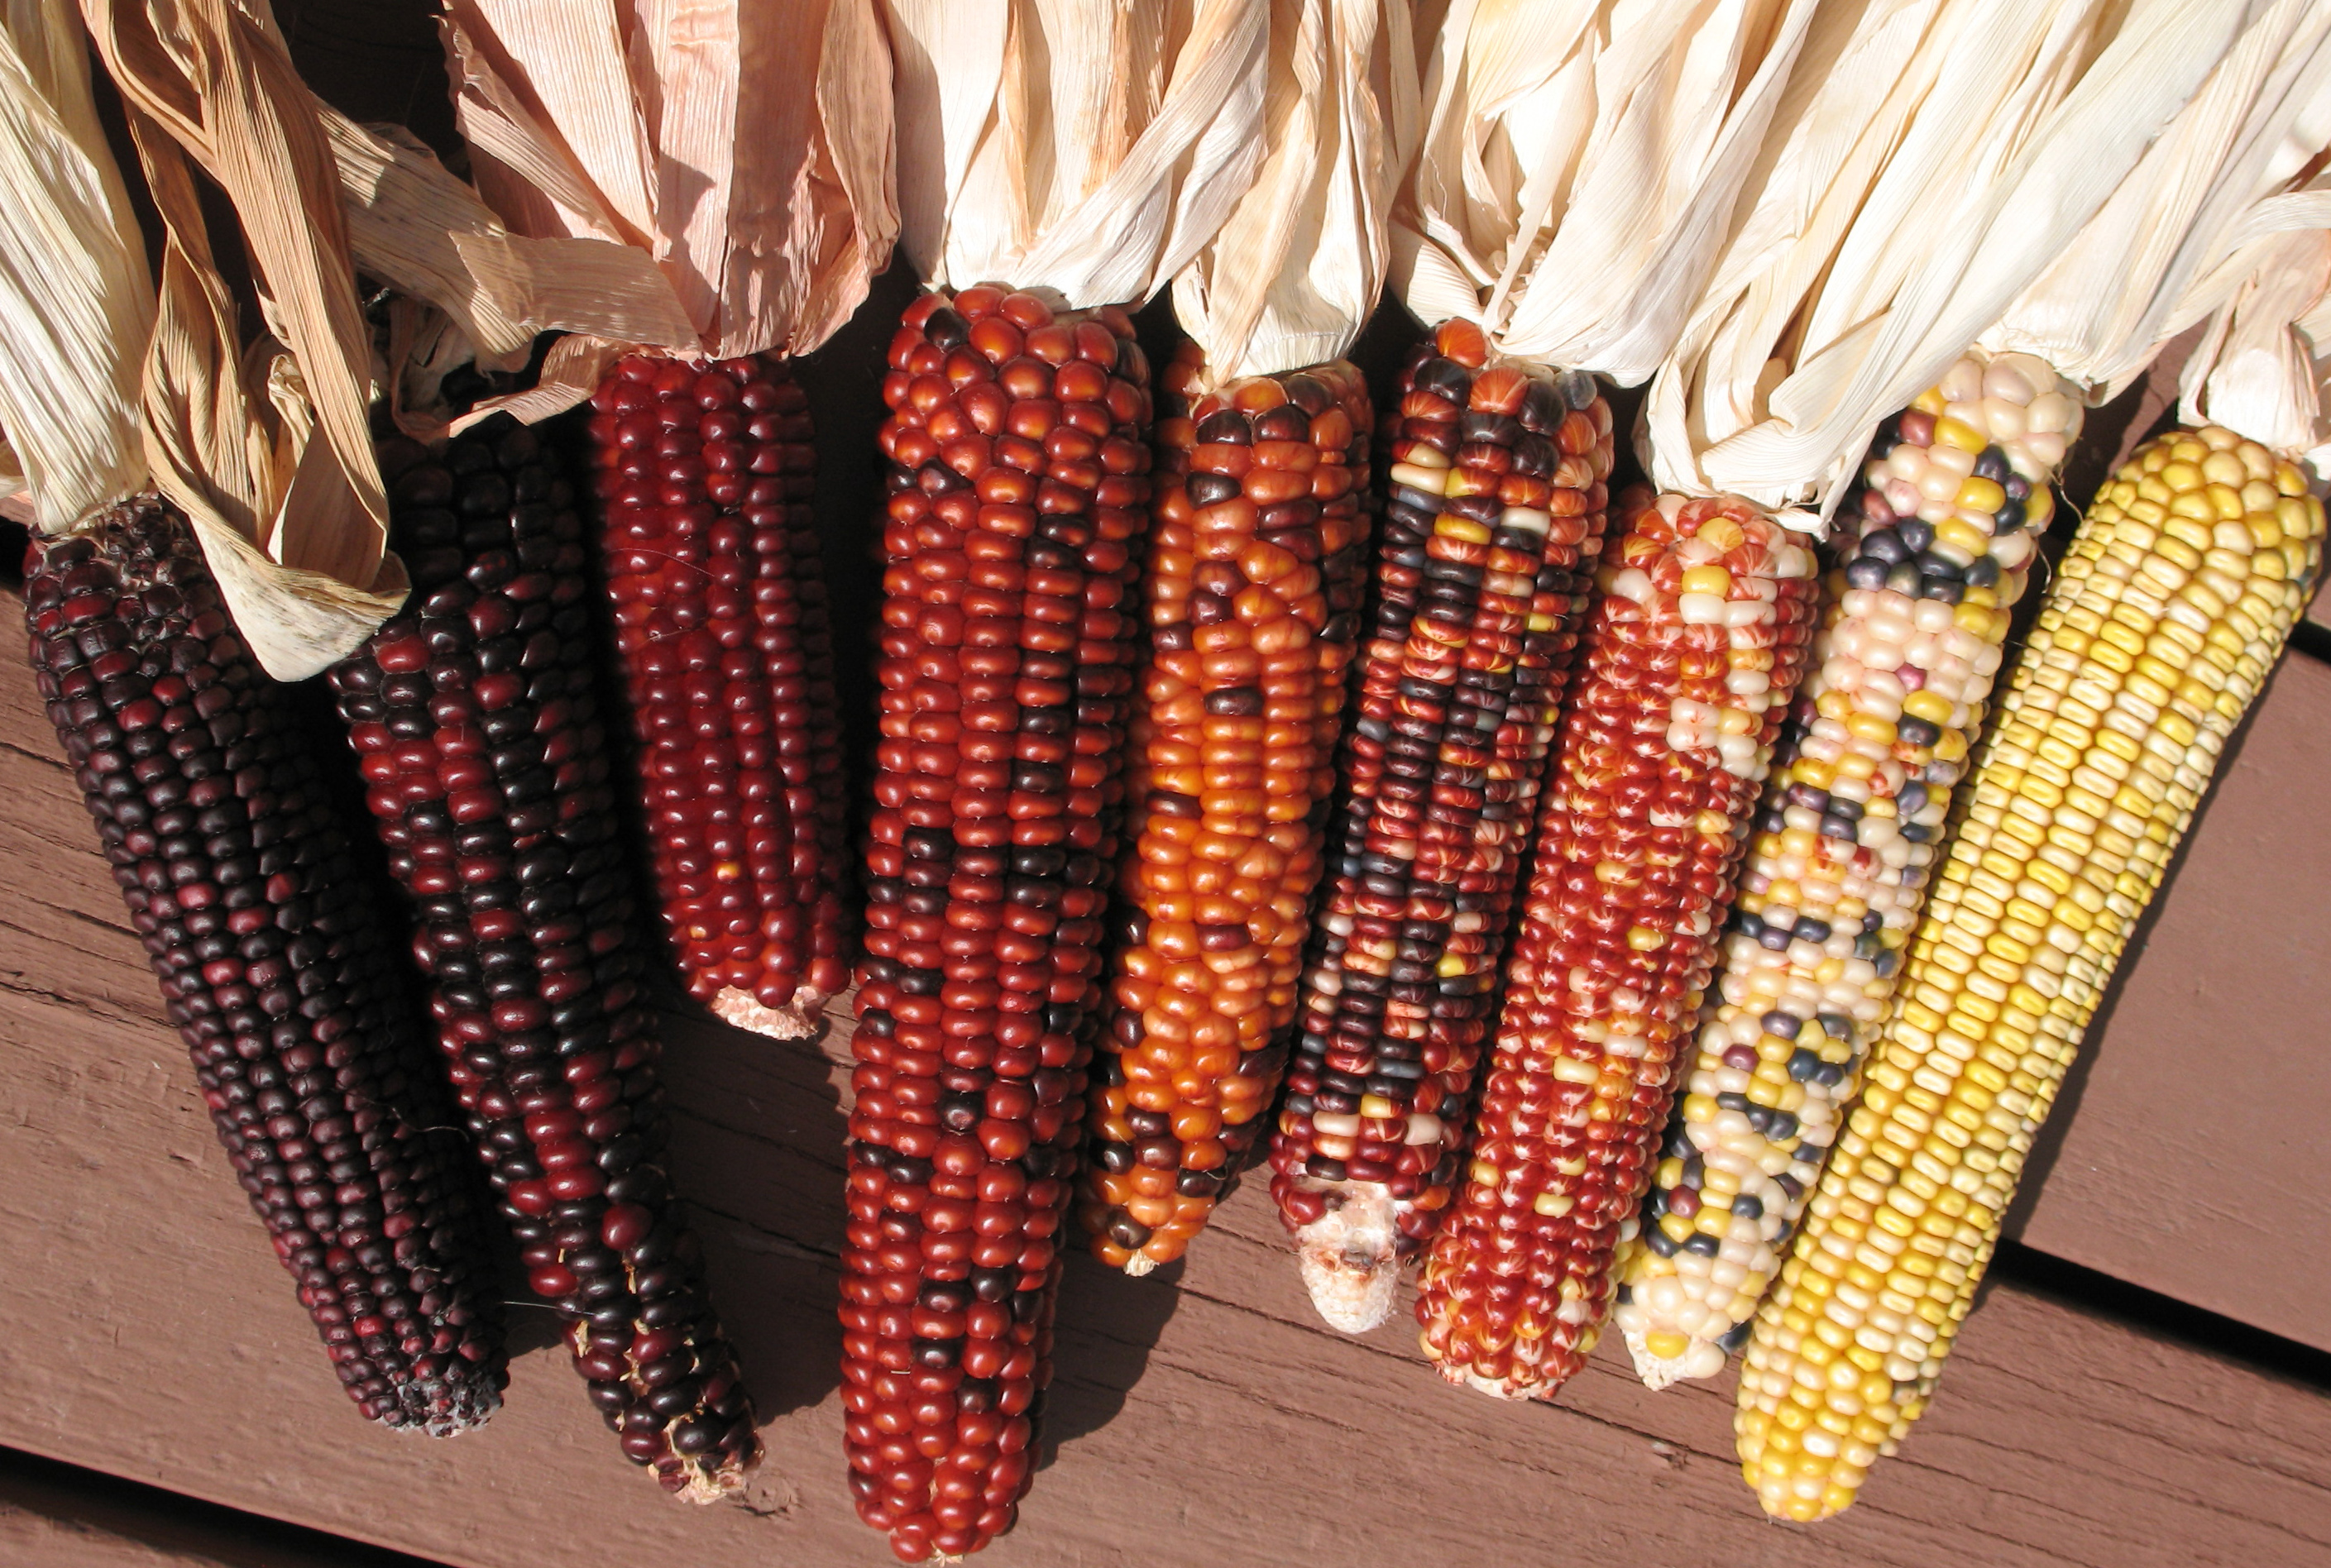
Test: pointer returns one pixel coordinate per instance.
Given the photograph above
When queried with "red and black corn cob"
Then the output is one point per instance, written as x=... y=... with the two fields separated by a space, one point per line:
x=1493 y=520
x=1256 y=573
x=704 y=473
x=1018 y=494
x=275 y=967
x=474 y=718
x=1692 y=655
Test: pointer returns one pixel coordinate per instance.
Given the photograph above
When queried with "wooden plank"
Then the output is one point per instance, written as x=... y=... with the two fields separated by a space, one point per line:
x=2190 y=1158
x=1204 y=1415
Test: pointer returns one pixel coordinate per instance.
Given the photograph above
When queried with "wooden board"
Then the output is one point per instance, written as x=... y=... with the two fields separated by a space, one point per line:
x=1202 y=1415
x=2189 y=1156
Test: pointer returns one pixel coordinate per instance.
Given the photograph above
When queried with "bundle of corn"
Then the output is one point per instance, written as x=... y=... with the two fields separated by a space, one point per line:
x=210 y=803
x=474 y=718
x=1851 y=829
x=1494 y=507
x=701 y=450
x=1253 y=589
x=1692 y=656
x=1018 y=445
x=1954 y=491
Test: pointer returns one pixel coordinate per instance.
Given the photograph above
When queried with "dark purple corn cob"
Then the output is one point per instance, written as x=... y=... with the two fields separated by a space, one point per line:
x=474 y=716
x=276 y=969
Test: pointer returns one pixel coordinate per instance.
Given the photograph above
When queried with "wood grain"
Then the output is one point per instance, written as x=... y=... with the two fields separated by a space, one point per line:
x=2193 y=1162
x=1200 y=1416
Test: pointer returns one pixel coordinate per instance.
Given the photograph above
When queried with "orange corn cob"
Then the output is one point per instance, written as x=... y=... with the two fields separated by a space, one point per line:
x=1253 y=587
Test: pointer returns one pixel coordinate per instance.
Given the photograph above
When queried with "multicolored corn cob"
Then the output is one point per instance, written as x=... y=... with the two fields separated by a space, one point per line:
x=1493 y=517
x=704 y=473
x=474 y=718
x=1019 y=490
x=1253 y=587
x=1692 y=654
x=1953 y=494
x=275 y=965
x=2164 y=620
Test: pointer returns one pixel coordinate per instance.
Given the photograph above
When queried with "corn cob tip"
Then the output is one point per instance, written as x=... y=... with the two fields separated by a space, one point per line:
x=1699 y=1358
x=796 y=1020
x=1350 y=1260
x=724 y=1480
x=1140 y=1266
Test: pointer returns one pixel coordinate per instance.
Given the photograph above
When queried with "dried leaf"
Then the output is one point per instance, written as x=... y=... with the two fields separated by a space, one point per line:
x=744 y=148
x=1296 y=268
x=1580 y=166
x=2263 y=363
x=1082 y=147
x=76 y=301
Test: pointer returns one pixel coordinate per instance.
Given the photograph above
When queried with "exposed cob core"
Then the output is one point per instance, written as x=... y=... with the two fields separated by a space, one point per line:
x=1692 y=654
x=2164 y=619
x=704 y=472
x=1939 y=538
x=1253 y=591
x=275 y=965
x=1018 y=491
x=474 y=718
x=1493 y=513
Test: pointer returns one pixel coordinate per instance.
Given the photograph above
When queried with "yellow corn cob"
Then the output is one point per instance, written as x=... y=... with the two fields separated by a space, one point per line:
x=2167 y=614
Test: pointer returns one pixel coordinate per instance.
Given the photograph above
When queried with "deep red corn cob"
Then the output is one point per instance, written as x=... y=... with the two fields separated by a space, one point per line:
x=474 y=717
x=1493 y=520
x=281 y=977
x=1692 y=654
x=704 y=474
x=1019 y=489
x=1256 y=573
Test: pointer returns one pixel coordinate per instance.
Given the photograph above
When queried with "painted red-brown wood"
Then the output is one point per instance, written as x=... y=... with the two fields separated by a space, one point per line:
x=1202 y=1415
x=2191 y=1158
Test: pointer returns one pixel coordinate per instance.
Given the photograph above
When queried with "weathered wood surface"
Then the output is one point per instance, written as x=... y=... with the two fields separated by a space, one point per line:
x=1198 y=1416
x=2192 y=1161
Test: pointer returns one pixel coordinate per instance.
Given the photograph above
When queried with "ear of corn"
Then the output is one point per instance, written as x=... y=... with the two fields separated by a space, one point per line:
x=704 y=473
x=1018 y=491
x=274 y=965
x=474 y=719
x=1253 y=587
x=1954 y=492
x=1493 y=516
x=1692 y=653
x=2165 y=617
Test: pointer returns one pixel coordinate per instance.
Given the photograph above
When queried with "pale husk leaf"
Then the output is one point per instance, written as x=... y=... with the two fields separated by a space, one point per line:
x=1579 y=165
x=745 y=148
x=2262 y=367
x=1294 y=270
x=1949 y=151
x=275 y=448
x=2148 y=264
x=1084 y=147
x=76 y=301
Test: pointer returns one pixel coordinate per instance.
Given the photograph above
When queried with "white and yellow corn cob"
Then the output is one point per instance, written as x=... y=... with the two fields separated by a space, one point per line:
x=2166 y=615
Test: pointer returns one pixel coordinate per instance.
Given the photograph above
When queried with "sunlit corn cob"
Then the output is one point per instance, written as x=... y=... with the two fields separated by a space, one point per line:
x=275 y=965
x=705 y=473
x=2164 y=619
x=1692 y=654
x=474 y=718
x=1253 y=589
x=1953 y=493
x=1019 y=493
x=1492 y=521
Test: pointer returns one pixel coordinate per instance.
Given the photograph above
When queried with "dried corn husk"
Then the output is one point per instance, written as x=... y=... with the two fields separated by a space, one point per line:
x=2263 y=363
x=1081 y=148
x=1930 y=158
x=1294 y=270
x=744 y=149
x=1579 y=165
